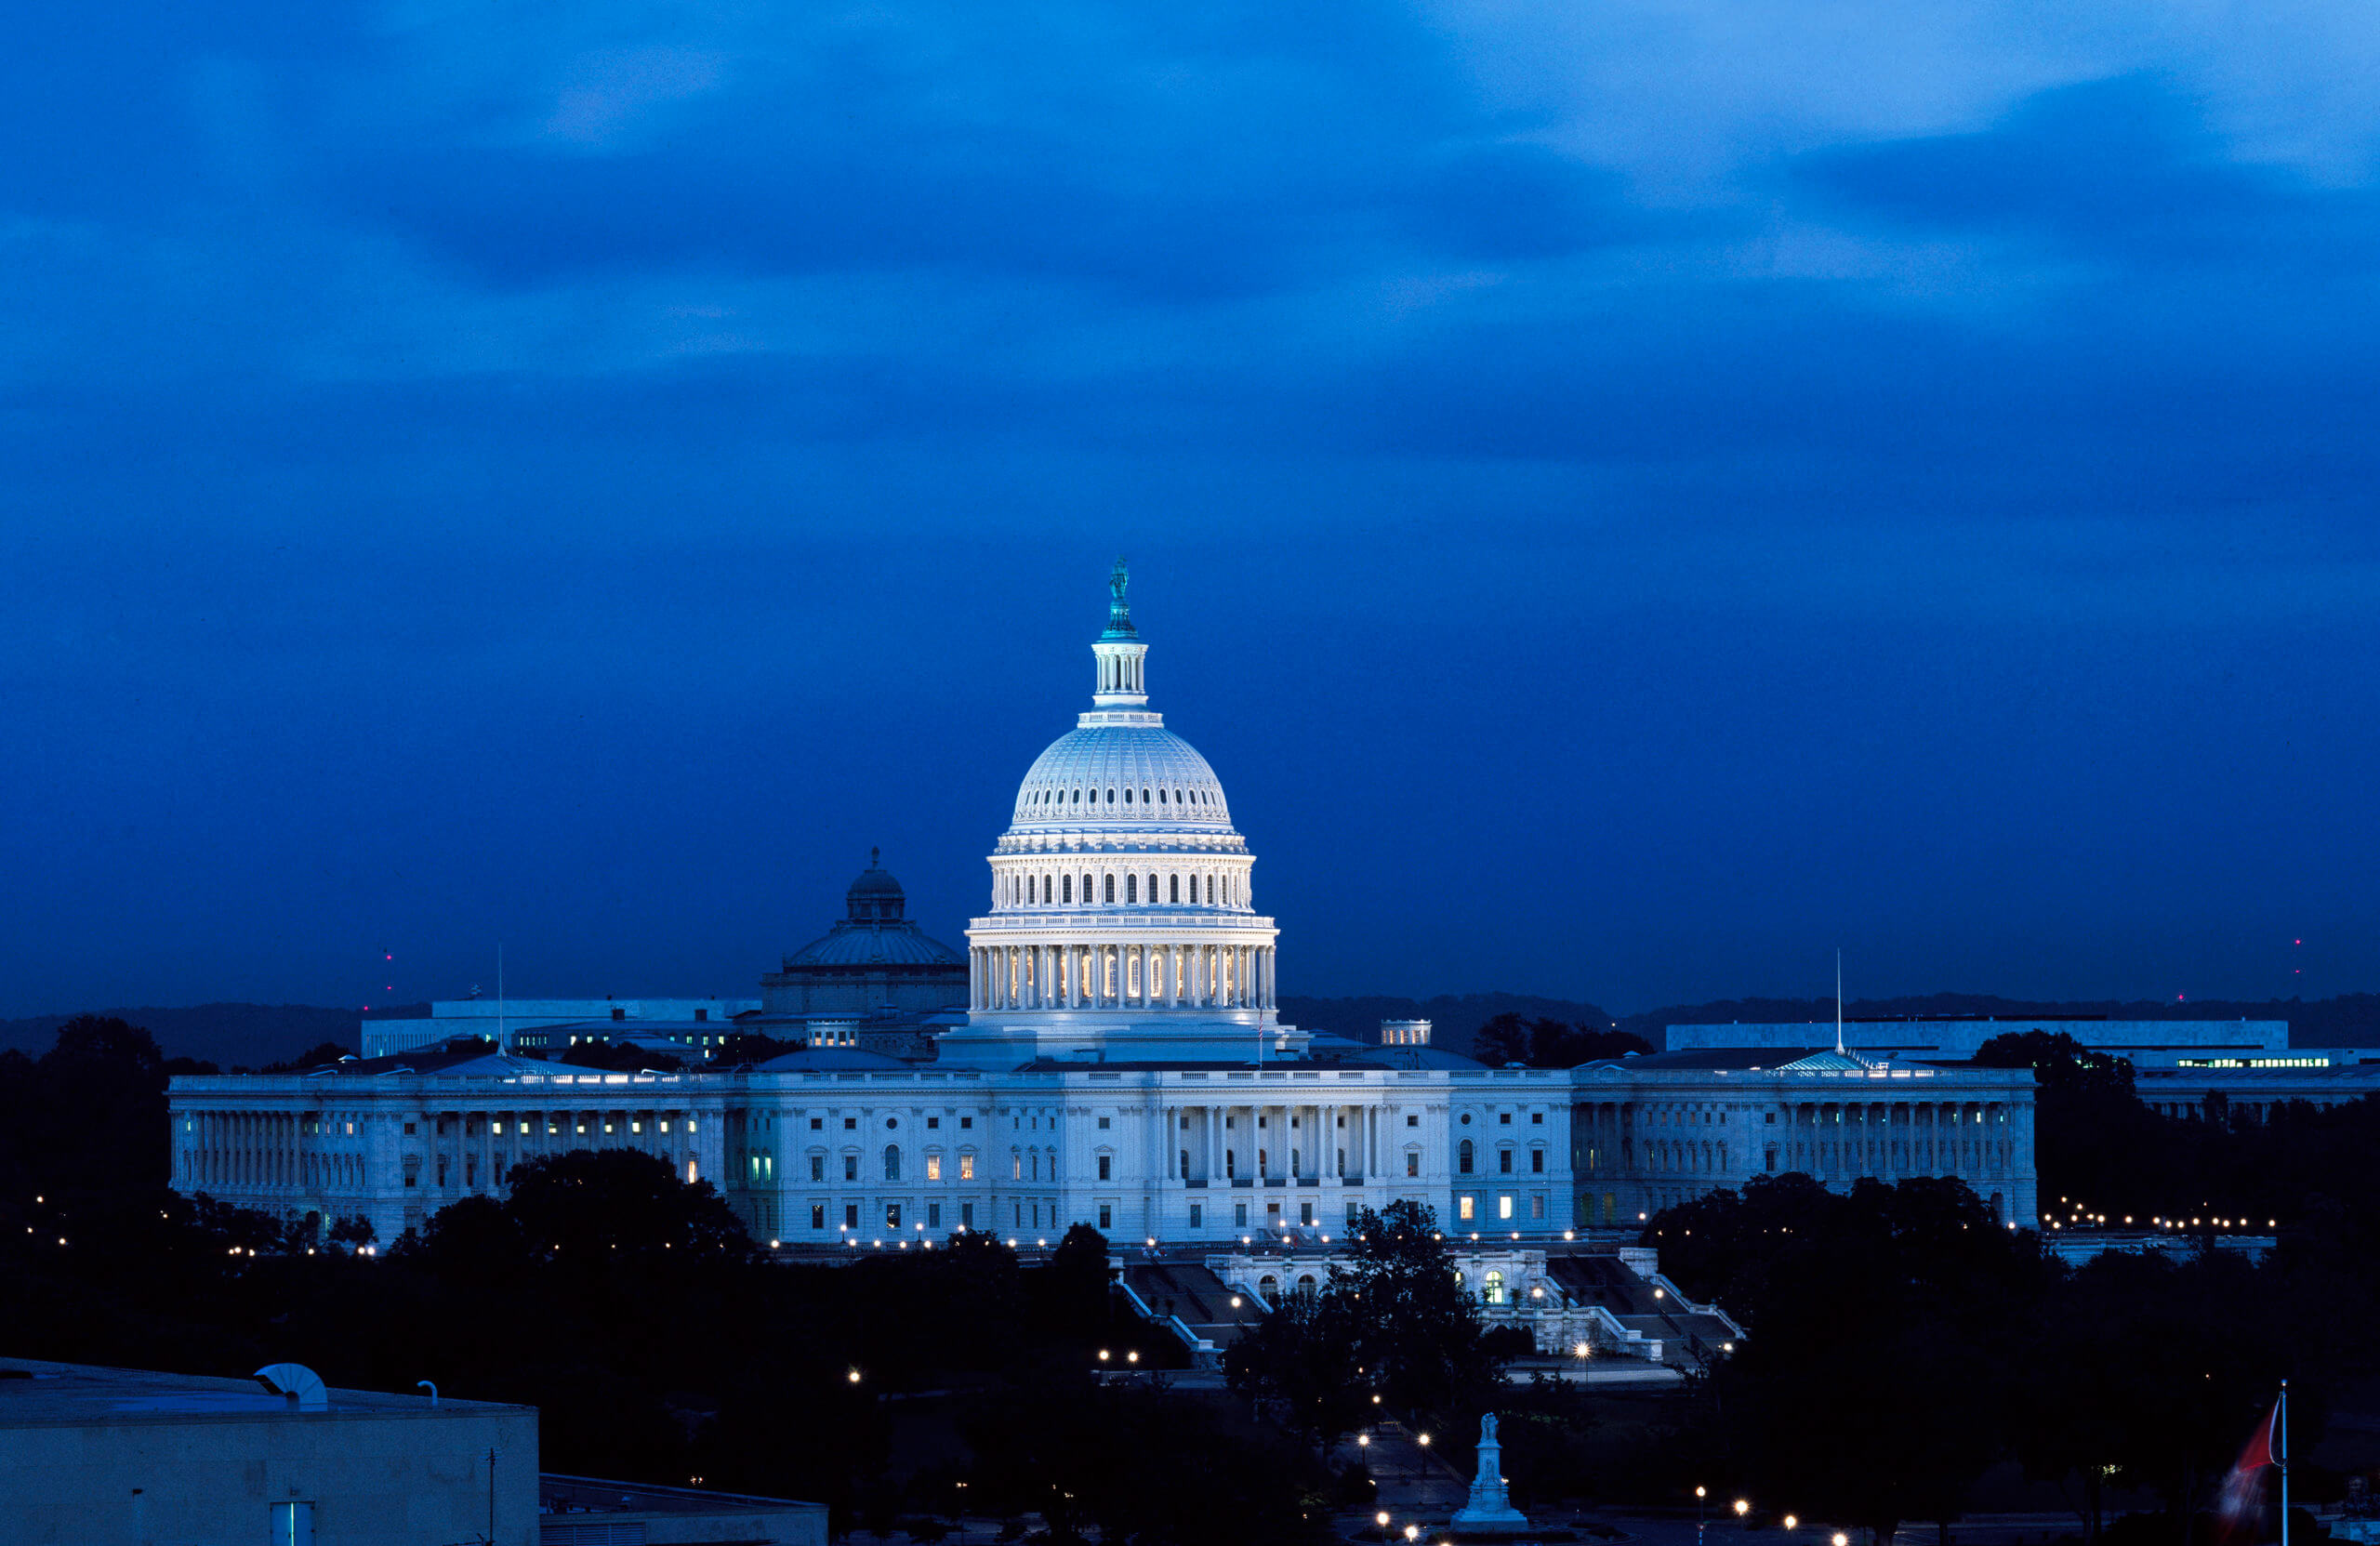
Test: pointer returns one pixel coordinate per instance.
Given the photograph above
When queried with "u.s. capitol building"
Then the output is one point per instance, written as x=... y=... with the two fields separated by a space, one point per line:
x=1119 y=1063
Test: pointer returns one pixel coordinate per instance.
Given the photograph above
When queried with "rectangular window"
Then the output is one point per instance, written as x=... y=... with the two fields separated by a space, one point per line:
x=966 y=1215
x=1465 y=1209
x=851 y=1124
x=1504 y=1161
x=966 y=1166
x=1305 y=1212
x=965 y=1122
x=1102 y=1124
x=816 y=1123
x=1412 y=1119
x=636 y=1124
x=1537 y=1204
x=1412 y=1164
x=1106 y=1220
x=933 y=1215
x=1505 y=1117
x=1537 y=1161
x=850 y=1215
x=933 y=1121
x=1102 y=1166
x=817 y=1167
x=892 y=1215
x=850 y=1167
x=1239 y=1215
x=1537 y=1119
x=1503 y=1208
x=1198 y=1215
x=408 y=1129
x=817 y=1215
x=665 y=1125
x=934 y=1166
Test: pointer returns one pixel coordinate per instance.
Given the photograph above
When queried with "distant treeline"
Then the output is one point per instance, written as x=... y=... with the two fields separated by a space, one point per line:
x=230 y=1036
x=250 y=1036
x=2351 y=1020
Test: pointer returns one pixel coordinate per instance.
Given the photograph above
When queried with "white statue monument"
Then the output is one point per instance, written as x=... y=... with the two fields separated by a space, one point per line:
x=1490 y=1512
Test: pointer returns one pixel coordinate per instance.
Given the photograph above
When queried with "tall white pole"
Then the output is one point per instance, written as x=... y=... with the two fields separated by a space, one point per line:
x=503 y=1035
x=1838 y=1000
x=2281 y=1422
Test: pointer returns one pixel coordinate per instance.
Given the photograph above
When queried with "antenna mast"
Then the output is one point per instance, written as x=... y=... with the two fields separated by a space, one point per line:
x=503 y=1032
x=1838 y=998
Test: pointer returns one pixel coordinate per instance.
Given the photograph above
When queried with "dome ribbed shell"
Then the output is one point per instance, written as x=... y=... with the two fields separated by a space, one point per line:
x=1082 y=779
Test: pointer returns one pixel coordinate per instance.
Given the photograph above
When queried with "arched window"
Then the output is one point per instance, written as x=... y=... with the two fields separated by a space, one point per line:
x=1085 y=891
x=1177 y=797
x=1268 y=1286
x=1070 y=888
x=1160 y=796
x=1028 y=890
x=1152 y=890
x=1492 y=1286
x=1306 y=1283
x=1175 y=889
x=1128 y=796
x=1111 y=889
x=1462 y=1157
x=1132 y=883
x=1111 y=796
x=892 y=1161
x=1145 y=793
x=1210 y=890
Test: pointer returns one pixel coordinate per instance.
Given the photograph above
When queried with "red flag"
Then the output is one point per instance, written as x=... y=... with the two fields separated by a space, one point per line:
x=2242 y=1499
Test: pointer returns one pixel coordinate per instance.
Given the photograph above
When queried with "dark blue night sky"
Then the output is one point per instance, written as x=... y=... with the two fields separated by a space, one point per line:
x=1629 y=497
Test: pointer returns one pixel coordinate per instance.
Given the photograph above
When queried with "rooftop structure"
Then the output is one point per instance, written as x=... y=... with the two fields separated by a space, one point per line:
x=105 y=1456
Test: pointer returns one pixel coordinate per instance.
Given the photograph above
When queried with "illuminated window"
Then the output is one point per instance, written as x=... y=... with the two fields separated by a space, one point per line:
x=1464 y=1210
x=966 y=1166
x=1503 y=1208
x=1413 y=1163
x=934 y=1166
x=1492 y=1287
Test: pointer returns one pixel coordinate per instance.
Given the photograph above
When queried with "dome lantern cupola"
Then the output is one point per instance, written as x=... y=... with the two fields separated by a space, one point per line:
x=1119 y=651
x=875 y=897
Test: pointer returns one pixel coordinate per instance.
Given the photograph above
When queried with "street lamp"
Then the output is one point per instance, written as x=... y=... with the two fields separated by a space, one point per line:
x=1841 y=1539
x=1364 y=1441
x=1412 y=1532
x=1699 y=1495
x=1422 y=1439
x=1743 y=1506
x=1381 y=1518
x=1791 y=1521
x=853 y=1377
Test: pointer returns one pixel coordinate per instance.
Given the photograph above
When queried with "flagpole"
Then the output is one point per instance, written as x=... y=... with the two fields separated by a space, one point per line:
x=2282 y=1422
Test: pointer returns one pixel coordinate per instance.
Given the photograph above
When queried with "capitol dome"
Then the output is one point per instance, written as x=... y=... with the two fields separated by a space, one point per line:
x=1123 y=921
x=1130 y=774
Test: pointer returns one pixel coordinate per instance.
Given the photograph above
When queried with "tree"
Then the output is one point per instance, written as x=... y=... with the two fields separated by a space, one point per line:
x=1419 y=1334
x=590 y=1206
x=1307 y=1355
x=318 y=1056
x=1550 y=1043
